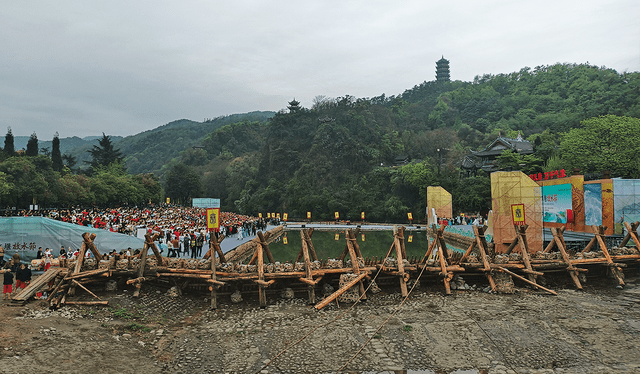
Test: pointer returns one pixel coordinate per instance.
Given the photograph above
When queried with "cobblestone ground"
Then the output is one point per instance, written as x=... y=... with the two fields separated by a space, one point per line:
x=591 y=331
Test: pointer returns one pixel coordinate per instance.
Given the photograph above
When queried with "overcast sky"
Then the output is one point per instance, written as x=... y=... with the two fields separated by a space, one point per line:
x=122 y=67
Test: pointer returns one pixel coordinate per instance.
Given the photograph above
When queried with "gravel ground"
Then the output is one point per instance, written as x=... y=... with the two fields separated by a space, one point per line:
x=591 y=331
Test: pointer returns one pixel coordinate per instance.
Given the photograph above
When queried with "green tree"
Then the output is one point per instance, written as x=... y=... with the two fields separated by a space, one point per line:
x=104 y=154
x=9 y=148
x=604 y=143
x=56 y=157
x=32 y=145
x=182 y=183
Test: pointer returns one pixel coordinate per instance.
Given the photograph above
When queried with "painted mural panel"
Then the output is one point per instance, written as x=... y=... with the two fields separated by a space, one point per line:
x=626 y=200
x=556 y=203
x=593 y=204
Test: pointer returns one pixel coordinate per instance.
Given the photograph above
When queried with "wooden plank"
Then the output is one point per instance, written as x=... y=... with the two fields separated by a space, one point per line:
x=265 y=247
x=339 y=292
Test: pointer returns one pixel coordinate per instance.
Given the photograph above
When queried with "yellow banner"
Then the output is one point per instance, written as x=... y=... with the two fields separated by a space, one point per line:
x=308 y=215
x=168 y=200
x=337 y=236
x=517 y=213
x=410 y=240
x=362 y=237
x=268 y=215
x=285 y=216
x=259 y=215
x=337 y=215
x=213 y=218
x=362 y=216
x=285 y=241
x=410 y=216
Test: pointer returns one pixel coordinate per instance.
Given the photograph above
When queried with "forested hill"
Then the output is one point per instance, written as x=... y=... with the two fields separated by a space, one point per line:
x=350 y=155
x=339 y=155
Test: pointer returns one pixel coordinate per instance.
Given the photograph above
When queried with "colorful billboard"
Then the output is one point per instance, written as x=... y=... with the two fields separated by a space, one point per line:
x=626 y=200
x=593 y=204
x=557 y=204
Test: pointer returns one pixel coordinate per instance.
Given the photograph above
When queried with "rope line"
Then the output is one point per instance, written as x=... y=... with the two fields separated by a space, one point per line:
x=326 y=323
x=383 y=323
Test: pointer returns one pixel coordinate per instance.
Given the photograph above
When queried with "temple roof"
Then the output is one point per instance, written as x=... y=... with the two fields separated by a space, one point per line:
x=501 y=144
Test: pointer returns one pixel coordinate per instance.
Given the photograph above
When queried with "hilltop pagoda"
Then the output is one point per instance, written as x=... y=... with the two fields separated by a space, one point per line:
x=442 y=71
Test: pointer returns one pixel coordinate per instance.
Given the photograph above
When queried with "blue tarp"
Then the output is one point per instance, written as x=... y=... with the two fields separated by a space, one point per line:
x=25 y=234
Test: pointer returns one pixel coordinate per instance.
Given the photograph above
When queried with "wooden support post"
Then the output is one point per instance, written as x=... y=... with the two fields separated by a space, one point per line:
x=307 y=268
x=615 y=270
x=265 y=247
x=557 y=238
x=632 y=233
x=79 y=260
x=397 y=234
x=521 y=231
x=481 y=243
x=214 y=245
x=88 y=241
x=214 y=289
x=262 y=293
x=355 y=266
x=513 y=244
x=429 y=251
x=310 y=247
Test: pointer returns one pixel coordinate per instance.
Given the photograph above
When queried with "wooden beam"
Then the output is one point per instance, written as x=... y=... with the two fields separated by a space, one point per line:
x=339 y=292
x=397 y=234
x=527 y=281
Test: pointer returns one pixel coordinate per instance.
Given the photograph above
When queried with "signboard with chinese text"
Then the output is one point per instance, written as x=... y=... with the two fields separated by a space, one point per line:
x=556 y=203
x=517 y=214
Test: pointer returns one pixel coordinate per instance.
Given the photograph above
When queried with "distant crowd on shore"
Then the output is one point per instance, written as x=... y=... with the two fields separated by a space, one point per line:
x=186 y=224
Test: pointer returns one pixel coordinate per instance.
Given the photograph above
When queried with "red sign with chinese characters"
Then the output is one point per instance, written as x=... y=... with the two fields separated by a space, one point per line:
x=548 y=175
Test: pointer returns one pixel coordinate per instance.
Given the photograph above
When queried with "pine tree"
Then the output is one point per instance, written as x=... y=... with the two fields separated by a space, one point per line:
x=32 y=145
x=56 y=156
x=104 y=154
x=9 y=148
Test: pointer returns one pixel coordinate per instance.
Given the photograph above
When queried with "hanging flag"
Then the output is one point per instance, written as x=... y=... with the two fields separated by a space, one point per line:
x=285 y=216
x=410 y=216
x=410 y=239
x=278 y=215
x=362 y=216
x=362 y=237
x=308 y=215
x=285 y=240
x=337 y=214
x=268 y=215
x=337 y=236
x=259 y=215
x=168 y=200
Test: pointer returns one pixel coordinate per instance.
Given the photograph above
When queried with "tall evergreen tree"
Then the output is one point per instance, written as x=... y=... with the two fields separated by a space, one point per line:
x=104 y=154
x=56 y=156
x=32 y=145
x=9 y=148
